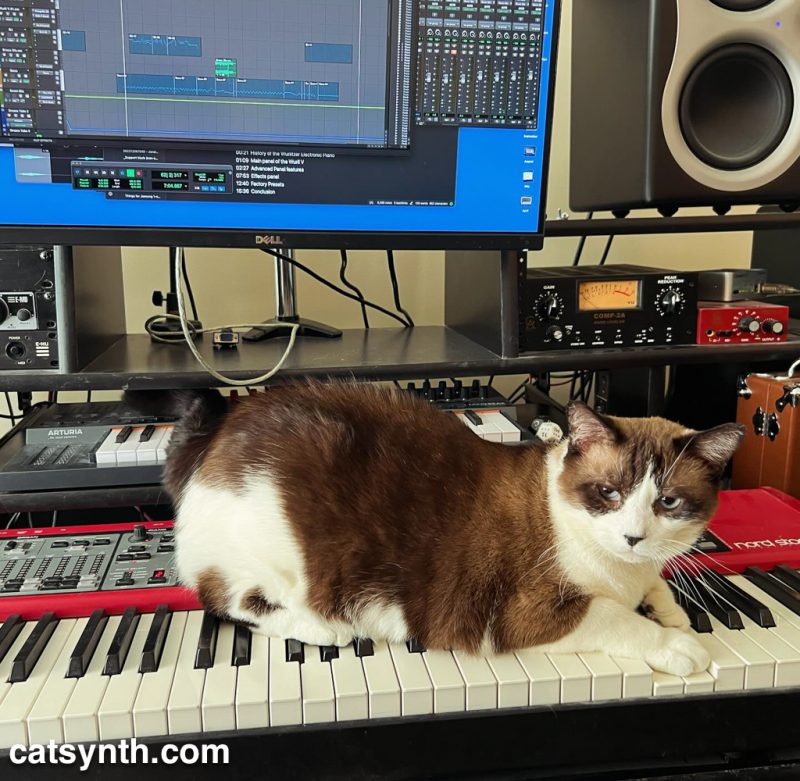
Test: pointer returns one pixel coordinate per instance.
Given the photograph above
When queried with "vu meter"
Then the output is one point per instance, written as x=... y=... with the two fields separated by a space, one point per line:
x=598 y=296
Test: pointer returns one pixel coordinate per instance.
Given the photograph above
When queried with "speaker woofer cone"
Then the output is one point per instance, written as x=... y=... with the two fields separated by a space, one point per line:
x=736 y=107
x=741 y=5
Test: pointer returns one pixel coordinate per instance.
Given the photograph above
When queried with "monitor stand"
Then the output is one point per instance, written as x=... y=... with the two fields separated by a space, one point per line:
x=171 y=328
x=286 y=304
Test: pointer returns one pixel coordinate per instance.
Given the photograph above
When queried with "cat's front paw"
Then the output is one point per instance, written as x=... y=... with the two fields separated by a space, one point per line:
x=678 y=653
x=673 y=617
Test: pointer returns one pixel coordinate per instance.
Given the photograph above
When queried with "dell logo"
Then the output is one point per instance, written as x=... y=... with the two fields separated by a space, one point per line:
x=273 y=241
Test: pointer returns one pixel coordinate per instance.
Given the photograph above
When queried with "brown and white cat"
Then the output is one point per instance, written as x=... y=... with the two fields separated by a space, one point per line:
x=324 y=511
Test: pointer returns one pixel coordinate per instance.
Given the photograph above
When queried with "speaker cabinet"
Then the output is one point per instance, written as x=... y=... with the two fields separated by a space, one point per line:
x=685 y=103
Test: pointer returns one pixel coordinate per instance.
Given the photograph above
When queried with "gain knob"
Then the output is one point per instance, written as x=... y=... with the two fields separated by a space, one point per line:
x=555 y=332
x=547 y=307
x=773 y=327
x=749 y=324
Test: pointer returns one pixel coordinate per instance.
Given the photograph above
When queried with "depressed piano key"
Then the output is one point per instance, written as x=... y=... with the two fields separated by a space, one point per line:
x=219 y=691
x=317 y=684
x=294 y=651
x=479 y=679
x=576 y=680
x=9 y=632
x=350 y=686
x=285 y=695
x=383 y=686
x=512 y=681
x=87 y=643
x=242 y=639
x=415 y=646
x=775 y=587
x=154 y=642
x=415 y=683
x=252 y=686
x=698 y=618
x=742 y=601
x=606 y=676
x=29 y=654
x=186 y=692
x=714 y=604
x=449 y=689
x=667 y=685
x=363 y=646
x=637 y=678
x=206 y=642
x=698 y=683
x=545 y=680
x=152 y=700
x=120 y=645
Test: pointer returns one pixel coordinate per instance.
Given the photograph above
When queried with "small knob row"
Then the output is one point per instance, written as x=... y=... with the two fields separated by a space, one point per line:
x=753 y=325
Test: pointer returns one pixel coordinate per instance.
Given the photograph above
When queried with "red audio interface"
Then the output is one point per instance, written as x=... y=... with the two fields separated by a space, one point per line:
x=741 y=322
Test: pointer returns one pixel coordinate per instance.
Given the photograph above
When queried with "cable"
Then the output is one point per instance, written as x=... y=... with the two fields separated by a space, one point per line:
x=189 y=290
x=396 y=287
x=11 y=416
x=313 y=274
x=604 y=258
x=347 y=283
x=581 y=244
x=185 y=327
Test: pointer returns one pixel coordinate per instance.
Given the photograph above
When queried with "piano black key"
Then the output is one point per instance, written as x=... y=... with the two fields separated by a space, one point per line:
x=327 y=653
x=147 y=433
x=698 y=617
x=728 y=615
x=121 y=642
x=155 y=640
x=743 y=601
x=87 y=644
x=206 y=643
x=242 y=641
x=11 y=628
x=363 y=646
x=29 y=654
x=473 y=418
x=295 y=651
x=775 y=587
x=123 y=435
x=788 y=576
x=415 y=646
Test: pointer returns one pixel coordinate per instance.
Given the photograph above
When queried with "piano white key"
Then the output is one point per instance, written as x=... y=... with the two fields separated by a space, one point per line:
x=666 y=685
x=576 y=681
x=8 y=659
x=126 y=451
x=726 y=667
x=698 y=683
x=545 y=680
x=252 y=686
x=449 y=690
x=383 y=685
x=44 y=720
x=606 y=676
x=161 y=452
x=317 y=683
x=20 y=698
x=759 y=666
x=147 y=452
x=509 y=432
x=479 y=679
x=219 y=693
x=115 y=715
x=350 y=686
x=637 y=678
x=186 y=694
x=512 y=682
x=80 y=715
x=106 y=454
x=150 y=709
x=415 y=683
x=285 y=694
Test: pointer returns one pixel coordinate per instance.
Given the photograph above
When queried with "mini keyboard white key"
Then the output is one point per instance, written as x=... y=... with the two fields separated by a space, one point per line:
x=163 y=443
x=44 y=720
x=147 y=452
x=151 y=706
x=509 y=432
x=491 y=431
x=415 y=683
x=512 y=682
x=106 y=454
x=186 y=693
x=606 y=676
x=219 y=691
x=383 y=686
x=252 y=686
x=126 y=451
x=637 y=677
x=350 y=686
x=449 y=690
x=285 y=693
x=545 y=680
x=317 y=682
x=576 y=680
x=20 y=699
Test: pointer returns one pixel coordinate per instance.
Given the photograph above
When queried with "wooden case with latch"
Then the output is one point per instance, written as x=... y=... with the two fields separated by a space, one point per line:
x=768 y=407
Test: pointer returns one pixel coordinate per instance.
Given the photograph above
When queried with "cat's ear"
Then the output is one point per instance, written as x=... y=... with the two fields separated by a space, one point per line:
x=716 y=446
x=587 y=428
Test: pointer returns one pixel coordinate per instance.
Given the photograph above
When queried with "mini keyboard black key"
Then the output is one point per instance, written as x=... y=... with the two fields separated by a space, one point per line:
x=714 y=604
x=121 y=642
x=295 y=651
x=147 y=434
x=32 y=648
x=87 y=644
x=698 y=617
x=9 y=632
x=415 y=646
x=206 y=643
x=242 y=640
x=363 y=646
x=327 y=653
x=742 y=601
x=123 y=435
x=155 y=640
x=775 y=587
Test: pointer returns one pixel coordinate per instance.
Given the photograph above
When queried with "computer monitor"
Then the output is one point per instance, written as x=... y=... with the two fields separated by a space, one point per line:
x=294 y=123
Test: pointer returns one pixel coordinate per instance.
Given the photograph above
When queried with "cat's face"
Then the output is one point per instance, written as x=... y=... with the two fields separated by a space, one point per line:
x=642 y=489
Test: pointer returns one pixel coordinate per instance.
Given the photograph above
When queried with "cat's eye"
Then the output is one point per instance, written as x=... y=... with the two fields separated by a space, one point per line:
x=607 y=492
x=670 y=502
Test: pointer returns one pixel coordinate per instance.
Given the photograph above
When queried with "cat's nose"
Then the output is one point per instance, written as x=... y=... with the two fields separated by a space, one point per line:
x=633 y=541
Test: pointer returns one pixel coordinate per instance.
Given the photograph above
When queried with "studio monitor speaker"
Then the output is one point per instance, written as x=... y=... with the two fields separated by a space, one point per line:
x=685 y=103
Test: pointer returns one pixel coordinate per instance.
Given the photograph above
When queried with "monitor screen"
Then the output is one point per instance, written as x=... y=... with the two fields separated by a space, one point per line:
x=403 y=123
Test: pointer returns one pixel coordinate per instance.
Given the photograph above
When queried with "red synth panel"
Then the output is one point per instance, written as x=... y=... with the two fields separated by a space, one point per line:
x=741 y=322
x=77 y=605
x=757 y=527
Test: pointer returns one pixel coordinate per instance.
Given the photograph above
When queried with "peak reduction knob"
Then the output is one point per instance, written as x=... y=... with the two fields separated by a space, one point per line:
x=670 y=301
